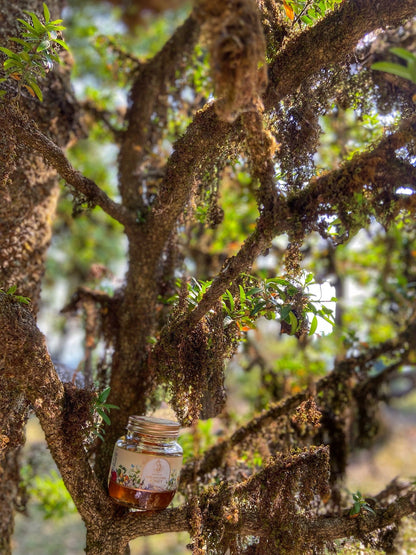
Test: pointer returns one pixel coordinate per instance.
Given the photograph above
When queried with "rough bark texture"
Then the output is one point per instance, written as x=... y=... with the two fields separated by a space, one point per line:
x=192 y=345
x=28 y=195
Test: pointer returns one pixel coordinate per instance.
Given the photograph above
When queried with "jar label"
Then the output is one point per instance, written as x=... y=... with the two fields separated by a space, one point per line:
x=142 y=471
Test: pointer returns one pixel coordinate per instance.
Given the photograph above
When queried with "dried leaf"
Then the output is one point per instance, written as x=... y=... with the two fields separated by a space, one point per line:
x=289 y=11
x=31 y=91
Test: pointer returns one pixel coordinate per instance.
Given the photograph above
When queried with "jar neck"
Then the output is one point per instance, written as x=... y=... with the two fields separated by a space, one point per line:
x=145 y=438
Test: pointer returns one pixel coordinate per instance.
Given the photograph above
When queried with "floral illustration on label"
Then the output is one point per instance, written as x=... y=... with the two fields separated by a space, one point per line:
x=147 y=472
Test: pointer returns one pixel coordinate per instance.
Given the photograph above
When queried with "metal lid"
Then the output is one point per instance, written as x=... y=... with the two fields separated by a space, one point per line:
x=157 y=427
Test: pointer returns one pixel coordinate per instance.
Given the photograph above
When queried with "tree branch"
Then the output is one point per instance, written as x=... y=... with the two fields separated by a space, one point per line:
x=194 y=152
x=333 y=191
x=104 y=116
x=151 y=82
x=29 y=134
x=330 y=42
x=329 y=528
x=206 y=135
x=214 y=456
x=319 y=198
x=252 y=521
x=87 y=294
x=28 y=366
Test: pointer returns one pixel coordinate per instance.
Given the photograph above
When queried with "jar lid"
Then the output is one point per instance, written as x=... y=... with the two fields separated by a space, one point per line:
x=149 y=425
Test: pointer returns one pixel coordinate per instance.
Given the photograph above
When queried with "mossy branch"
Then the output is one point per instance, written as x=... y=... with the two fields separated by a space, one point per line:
x=27 y=364
x=330 y=42
x=27 y=132
x=223 y=515
x=150 y=84
x=322 y=196
x=214 y=457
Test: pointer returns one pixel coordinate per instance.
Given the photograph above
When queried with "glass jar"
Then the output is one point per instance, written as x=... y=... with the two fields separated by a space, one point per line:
x=146 y=464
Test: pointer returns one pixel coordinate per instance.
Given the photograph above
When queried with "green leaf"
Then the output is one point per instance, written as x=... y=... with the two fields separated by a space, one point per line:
x=230 y=299
x=27 y=25
x=36 y=89
x=9 y=53
x=284 y=312
x=31 y=36
x=23 y=43
x=279 y=281
x=253 y=291
x=46 y=13
x=104 y=416
x=23 y=300
x=242 y=295
x=308 y=279
x=11 y=64
x=44 y=45
x=403 y=53
x=62 y=43
x=39 y=27
x=412 y=70
x=293 y=323
x=11 y=290
x=314 y=325
x=103 y=396
x=395 y=69
x=257 y=307
x=25 y=57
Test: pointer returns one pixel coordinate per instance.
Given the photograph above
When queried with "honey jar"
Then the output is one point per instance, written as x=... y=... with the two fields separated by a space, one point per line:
x=146 y=464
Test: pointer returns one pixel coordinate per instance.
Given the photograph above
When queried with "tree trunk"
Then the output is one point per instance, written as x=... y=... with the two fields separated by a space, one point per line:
x=28 y=194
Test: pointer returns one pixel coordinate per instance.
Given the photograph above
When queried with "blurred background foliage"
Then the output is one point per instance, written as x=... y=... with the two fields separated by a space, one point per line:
x=372 y=275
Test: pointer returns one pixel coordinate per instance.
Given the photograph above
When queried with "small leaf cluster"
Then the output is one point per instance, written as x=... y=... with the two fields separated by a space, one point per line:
x=407 y=72
x=39 y=50
x=12 y=290
x=282 y=298
x=308 y=11
x=360 y=504
x=100 y=408
x=278 y=297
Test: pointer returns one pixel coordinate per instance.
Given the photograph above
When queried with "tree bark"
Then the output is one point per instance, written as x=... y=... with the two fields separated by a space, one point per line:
x=29 y=190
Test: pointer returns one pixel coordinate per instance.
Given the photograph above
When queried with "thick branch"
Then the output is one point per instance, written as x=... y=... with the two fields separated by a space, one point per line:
x=202 y=143
x=29 y=134
x=28 y=366
x=303 y=56
x=329 y=193
x=330 y=41
x=204 y=138
x=24 y=349
x=252 y=522
x=329 y=528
